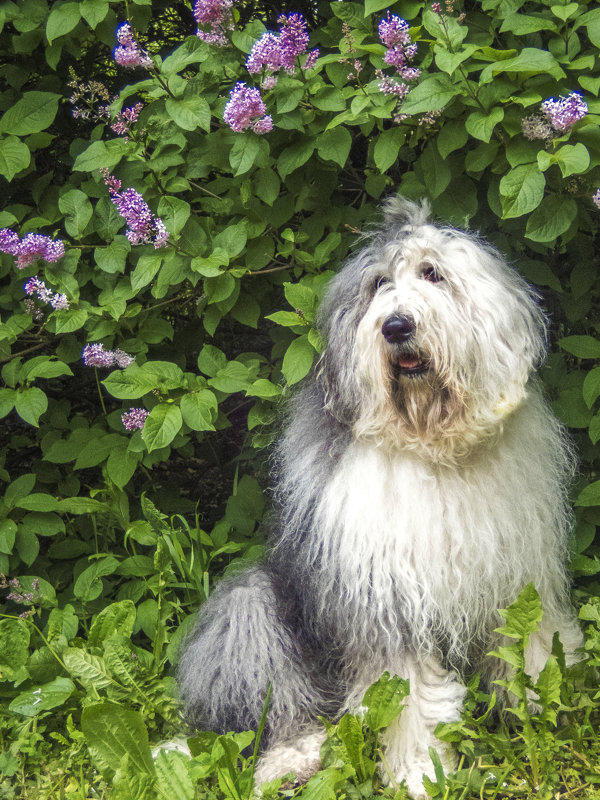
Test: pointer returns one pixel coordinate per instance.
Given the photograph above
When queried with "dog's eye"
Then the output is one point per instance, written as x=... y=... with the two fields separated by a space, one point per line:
x=431 y=274
x=382 y=280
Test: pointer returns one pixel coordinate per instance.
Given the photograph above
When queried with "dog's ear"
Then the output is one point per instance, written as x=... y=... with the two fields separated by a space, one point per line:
x=400 y=211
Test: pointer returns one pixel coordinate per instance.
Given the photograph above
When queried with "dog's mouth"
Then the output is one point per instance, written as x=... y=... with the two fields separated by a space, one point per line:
x=410 y=364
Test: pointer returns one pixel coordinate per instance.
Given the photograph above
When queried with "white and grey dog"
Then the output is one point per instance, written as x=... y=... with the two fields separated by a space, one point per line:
x=420 y=485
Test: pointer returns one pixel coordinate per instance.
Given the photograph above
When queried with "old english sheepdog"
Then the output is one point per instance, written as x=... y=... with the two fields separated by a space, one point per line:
x=420 y=485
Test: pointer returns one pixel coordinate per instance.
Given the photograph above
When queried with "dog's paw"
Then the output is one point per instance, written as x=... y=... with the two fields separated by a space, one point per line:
x=413 y=778
x=300 y=757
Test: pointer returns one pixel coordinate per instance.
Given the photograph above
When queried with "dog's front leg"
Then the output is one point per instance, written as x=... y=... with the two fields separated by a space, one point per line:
x=436 y=695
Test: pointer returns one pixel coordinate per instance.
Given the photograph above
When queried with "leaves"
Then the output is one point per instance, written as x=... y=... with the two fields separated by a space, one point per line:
x=111 y=732
x=32 y=113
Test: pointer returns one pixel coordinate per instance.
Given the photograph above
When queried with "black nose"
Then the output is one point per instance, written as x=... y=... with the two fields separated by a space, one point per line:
x=398 y=329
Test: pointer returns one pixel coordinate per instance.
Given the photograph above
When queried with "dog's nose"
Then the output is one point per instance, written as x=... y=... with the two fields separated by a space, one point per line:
x=398 y=329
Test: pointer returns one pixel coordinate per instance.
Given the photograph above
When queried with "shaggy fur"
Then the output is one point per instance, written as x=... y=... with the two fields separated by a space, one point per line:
x=420 y=485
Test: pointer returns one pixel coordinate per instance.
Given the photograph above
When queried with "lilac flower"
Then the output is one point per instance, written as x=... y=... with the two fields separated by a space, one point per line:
x=246 y=109
x=142 y=226
x=94 y=355
x=565 y=111
x=394 y=34
x=537 y=126
x=273 y=52
x=40 y=290
x=32 y=247
x=436 y=8
x=125 y=119
x=217 y=14
x=134 y=419
x=596 y=198
x=128 y=53
x=9 y=241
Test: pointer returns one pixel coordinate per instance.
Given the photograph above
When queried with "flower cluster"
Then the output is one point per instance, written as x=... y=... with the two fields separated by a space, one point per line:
x=565 y=111
x=125 y=119
x=274 y=52
x=129 y=53
x=90 y=100
x=142 y=226
x=134 y=419
x=596 y=198
x=394 y=34
x=555 y=117
x=31 y=248
x=246 y=109
x=35 y=286
x=217 y=15
x=19 y=595
x=94 y=355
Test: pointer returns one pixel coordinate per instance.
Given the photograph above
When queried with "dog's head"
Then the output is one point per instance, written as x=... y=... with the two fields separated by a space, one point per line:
x=428 y=332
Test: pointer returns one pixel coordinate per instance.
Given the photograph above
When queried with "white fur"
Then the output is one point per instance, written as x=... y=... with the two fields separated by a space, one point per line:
x=411 y=507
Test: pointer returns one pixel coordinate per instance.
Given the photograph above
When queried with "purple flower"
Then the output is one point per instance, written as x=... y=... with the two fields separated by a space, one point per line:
x=128 y=53
x=393 y=31
x=274 y=52
x=246 y=109
x=436 y=8
x=142 y=226
x=217 y=14
x=40 y=290
x=125 y=119
x=394 y=34
x=134 y=419
x=596 y=198
x=32 y=247
x=390 y=86
x=9 y=241
x=565 y=111
x=94 y=355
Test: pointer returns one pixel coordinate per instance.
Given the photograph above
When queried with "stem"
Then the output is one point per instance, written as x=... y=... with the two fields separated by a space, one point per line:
x=46 y=642
x=162 y=83
x=24 y=352
x=100 y=392
x=202 y=189
x=271 y=269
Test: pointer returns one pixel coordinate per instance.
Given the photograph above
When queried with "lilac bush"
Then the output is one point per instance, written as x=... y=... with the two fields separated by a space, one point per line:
x=128 y=52
x=246 y=109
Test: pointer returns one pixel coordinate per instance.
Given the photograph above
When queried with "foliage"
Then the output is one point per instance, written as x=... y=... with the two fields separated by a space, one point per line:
x=111 y=529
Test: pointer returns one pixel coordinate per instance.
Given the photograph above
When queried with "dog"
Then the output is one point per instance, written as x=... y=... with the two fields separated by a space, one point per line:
x=420 y=484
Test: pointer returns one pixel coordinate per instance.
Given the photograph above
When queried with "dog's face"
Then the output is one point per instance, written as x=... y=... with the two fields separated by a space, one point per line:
x=428 y=332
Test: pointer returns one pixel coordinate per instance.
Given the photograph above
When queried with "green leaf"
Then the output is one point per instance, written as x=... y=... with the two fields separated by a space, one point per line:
x=432 y=94
x=387 y=145
x=211 y=360
x=572 y=159
x=481 y=125
x=34 y=112
x=89 y=669
x=243 y=154
x=30 y=404
x=384 y=700
x=8 y=530
x=266 y=185
x=14 y=648
x=373 y=6
x=589 y=496
x=190 y=113
x=44 y=367
x=294 y=157
x=591 y=387
x=93 y=11
x=523 y=24
x=162 y=426
x=530 y=61
x=112 y=731
x=298 y=359
x=101 y=154
x=77 y=209
x=62 y=19
x=49 y=695
x=350 y=731
x=14 y=156
x=232 y=378
x=581 y=346
x=121 y=465
x=523 y=616
x=80 y=505
x=69 y=321
x=453 y=136
x=334 y=145
x=38 y=501
x=551 y=218
x=174 y=213
x=88 y=585
x=433 y=171
x=199 y=409
x=548 y=686
x=521 y=190
x=329 y=99
x=173 y=776
x=117 y=619
x=130 y=383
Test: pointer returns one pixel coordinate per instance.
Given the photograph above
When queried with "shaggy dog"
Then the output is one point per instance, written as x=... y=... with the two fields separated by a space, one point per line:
x=420 y=485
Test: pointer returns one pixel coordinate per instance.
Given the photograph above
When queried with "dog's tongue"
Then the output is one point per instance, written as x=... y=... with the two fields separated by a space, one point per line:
x=408 y=362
